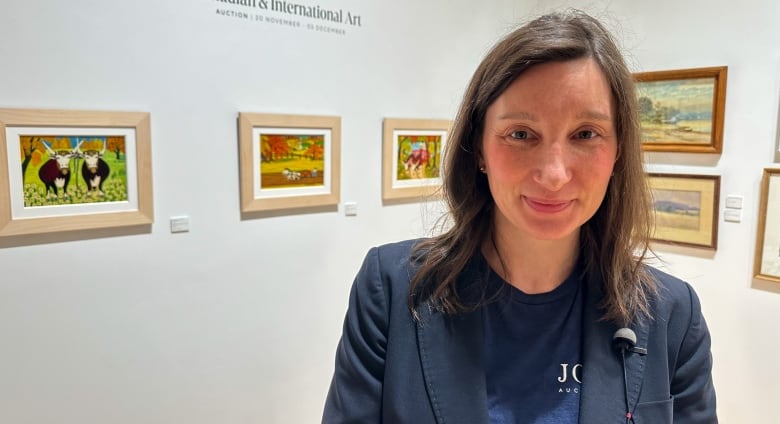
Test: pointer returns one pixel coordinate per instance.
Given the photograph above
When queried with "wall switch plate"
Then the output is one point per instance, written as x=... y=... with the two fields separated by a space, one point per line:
x=350 y=208
x=733 y=201
x=732 y=215
x=180 y=224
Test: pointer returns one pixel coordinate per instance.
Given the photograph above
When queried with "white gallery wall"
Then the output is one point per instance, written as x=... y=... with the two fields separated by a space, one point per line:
x=742 y=313
x=236 y=321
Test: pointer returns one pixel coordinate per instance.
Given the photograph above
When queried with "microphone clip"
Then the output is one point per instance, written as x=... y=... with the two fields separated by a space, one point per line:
x=625 y=341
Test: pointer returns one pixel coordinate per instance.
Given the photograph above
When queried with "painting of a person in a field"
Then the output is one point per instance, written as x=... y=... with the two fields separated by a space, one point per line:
x=418 y=157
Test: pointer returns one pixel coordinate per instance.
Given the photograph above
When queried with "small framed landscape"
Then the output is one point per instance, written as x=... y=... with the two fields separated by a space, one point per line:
x=411 y=157
x=686 y=209
x=65 y=170
x=288 y=161
x=767 y=260
x=682 y=110
x=777 y=136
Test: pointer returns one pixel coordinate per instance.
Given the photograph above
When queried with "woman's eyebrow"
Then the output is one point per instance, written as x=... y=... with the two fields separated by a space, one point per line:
x=595 y=115
x=518 y=115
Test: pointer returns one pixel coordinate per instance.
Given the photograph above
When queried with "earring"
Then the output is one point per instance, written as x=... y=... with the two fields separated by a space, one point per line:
x=482 y=169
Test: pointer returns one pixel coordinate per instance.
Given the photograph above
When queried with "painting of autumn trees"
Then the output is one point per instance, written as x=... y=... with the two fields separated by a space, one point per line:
x=36 y=153
x=291 y=160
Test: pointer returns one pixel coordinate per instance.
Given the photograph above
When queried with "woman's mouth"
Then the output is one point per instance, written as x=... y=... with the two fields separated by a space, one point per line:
x=547 y=206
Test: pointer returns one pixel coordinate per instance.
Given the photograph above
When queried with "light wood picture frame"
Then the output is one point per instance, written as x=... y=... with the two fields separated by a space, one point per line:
x=412 y=154
x=68 y=170
x=685 y=209
x=289 y=161
x=766 y=265
x=682 y=110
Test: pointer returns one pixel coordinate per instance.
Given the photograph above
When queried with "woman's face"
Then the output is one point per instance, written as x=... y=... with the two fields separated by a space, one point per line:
x=548 y=148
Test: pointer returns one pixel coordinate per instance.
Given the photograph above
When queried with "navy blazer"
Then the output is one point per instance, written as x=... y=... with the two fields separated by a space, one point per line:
x=393 y=369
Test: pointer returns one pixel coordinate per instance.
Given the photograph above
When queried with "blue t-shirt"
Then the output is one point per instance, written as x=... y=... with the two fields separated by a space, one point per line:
x=532 y=354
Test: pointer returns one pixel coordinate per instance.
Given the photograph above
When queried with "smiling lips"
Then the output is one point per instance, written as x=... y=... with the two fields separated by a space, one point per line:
x=547 y=206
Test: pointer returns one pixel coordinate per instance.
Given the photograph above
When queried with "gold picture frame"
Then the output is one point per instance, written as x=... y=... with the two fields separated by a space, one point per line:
x=682 y=110
x=777 y=136
x=412 y=153
x=766 y=265
x=685 y=209
x=289 y=162
x=48 y=183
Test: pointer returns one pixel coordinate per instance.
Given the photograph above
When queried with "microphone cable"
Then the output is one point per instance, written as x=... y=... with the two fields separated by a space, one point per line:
x=629 y=417
x=625 y=339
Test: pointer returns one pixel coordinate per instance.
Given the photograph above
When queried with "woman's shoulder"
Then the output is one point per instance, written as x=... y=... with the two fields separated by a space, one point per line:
x=674 y=295
x=382 y=282
x=396 y=257
x=398 y=248
x=391 y=262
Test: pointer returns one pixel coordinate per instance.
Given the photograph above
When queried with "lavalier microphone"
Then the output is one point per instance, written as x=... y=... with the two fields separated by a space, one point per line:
x=624 y=341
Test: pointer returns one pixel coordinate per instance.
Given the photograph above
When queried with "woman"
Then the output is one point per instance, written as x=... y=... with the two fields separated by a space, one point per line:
x=535 y=306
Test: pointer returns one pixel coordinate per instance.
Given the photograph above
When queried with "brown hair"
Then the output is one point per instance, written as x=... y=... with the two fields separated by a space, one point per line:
x=614 y=242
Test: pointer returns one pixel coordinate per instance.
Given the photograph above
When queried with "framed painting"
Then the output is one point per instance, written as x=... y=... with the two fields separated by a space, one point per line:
x=685 y=209
x=288 y=161
x=767 y=260
x=64 y=170
x=777 y=136
x=412 y=156
x=682 y=110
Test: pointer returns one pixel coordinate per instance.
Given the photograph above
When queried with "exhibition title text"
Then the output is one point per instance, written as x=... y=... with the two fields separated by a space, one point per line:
x=314 y=12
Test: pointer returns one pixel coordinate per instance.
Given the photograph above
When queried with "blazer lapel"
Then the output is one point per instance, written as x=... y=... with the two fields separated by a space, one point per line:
x=603 y=399
x=451 y=353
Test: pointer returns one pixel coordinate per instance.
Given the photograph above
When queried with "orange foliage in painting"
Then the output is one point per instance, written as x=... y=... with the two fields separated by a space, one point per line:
x=315 y=151
x=273 y=146
x=25 y=147
x=116 y=144
x=60 y=143
x=36 y=158
x=31 y=147
x=91 y=144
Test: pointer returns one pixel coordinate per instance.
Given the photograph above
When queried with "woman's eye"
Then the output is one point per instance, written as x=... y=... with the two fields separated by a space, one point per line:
x=585 y=134
x=519 y=135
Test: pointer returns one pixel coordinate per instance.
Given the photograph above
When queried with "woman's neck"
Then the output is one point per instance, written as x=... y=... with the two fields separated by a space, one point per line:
x=532 y=266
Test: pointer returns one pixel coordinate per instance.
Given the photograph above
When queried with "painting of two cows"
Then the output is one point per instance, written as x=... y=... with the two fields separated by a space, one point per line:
x=69 y=169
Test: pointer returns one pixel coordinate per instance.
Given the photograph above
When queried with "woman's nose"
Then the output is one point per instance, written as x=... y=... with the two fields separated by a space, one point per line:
x=553 y=167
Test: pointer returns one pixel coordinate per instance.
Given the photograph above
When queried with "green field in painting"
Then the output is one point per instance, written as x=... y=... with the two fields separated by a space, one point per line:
x=694 y=132
x=676 y=220
x=114 y=188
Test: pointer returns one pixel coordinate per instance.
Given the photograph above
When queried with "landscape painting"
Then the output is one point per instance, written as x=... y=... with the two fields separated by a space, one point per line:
x=291 y=160
x=777 y=136
x=685 y=209
x=678 y=209
x=767 y=259
x=682 y=110
x=288 y=161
